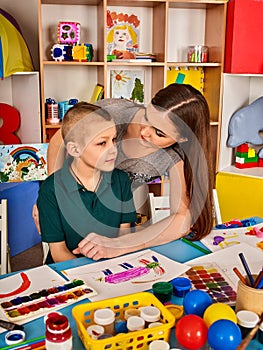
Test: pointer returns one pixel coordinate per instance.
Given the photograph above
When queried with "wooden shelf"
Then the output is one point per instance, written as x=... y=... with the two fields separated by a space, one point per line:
x=167 y=28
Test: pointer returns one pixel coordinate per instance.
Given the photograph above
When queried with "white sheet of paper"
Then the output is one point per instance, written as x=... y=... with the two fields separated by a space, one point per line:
x=228 y=258
x=42 y=277
x=230 y=237
x=126 y=268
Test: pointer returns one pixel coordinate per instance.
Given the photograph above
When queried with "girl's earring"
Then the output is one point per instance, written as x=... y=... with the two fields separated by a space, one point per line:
x=183 y=139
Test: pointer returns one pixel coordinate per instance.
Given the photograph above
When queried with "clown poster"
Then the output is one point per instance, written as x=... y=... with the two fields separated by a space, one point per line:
x=122 y=35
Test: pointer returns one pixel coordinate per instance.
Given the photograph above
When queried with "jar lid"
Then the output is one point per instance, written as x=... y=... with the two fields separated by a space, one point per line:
x=15 y=337
x=176 y=310
x=159 y=345
x=150 y=313
x=247 y=318
x=104 y=316
x=162 y=287
x=135 y=323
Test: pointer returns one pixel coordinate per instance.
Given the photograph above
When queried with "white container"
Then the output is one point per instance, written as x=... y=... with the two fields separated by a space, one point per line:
x=135 y=323
x=150 y=314
x=159 y=345
x=246 y=321
x=105 y=317
x=131 y=312
x=95 y=331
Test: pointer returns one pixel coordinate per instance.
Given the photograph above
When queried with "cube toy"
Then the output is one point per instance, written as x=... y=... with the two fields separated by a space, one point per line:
x=82 y=52
x=68 y=32
x=60 y=52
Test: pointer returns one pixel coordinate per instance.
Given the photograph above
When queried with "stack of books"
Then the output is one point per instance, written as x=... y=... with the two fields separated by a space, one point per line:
x=139 y=57
x=144 y=56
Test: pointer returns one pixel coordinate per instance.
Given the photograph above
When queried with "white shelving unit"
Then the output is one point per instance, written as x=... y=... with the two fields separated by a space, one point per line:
x=21 y=90
x=239 y=90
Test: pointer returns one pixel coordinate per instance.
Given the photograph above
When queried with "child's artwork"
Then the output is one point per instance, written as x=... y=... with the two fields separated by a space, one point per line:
x=186 y=75
x=23 y=162
x=122 y=34
x=33 y=293
x=128 y=84
x=211 y=279
x=223 y=238
x=129 y=274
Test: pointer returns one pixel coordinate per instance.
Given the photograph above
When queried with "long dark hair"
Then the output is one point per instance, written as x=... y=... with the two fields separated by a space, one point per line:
x=189 y=111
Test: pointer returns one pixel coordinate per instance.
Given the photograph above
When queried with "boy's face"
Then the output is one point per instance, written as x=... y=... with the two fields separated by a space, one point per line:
x=100 y=151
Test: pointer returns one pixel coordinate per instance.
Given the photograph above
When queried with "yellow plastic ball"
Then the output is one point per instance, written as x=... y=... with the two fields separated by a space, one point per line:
x=219 y=311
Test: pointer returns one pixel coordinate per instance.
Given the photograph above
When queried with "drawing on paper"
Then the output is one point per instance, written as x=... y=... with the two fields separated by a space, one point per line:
x=127 y=274
x=23 y=162
x=132 y=272
x=122 y=34
x=224 y=238
x=128 y=84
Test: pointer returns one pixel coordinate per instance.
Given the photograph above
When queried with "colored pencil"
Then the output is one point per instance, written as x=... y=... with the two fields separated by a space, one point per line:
x=31 y=346
x=258 y=280
x=239 y=275
x=196 y=246
x=245 y=265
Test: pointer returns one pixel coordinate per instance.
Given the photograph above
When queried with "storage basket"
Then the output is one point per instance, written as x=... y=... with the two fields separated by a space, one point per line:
x=84 y=314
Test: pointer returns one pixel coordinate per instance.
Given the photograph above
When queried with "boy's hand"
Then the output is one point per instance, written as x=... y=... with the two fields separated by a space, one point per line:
x=35 y=216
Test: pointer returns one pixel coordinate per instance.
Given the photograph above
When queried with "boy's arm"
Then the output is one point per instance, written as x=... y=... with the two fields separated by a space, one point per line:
x=60 y=252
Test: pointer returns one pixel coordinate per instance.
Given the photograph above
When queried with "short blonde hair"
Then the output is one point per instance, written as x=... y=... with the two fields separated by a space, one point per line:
x=133 y=35
x=75 y=124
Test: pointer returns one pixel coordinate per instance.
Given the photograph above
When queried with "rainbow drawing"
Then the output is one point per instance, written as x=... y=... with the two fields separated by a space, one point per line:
x=26 y=162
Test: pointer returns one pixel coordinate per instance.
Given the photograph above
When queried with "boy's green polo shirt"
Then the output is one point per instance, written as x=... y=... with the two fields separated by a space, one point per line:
x=67 y=213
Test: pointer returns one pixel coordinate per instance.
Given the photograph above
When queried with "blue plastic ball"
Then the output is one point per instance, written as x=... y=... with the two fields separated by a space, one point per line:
x=224 y=334
x=196 y=302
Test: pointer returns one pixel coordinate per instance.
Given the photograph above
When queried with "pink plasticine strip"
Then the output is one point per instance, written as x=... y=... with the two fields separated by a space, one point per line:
x=126 y=275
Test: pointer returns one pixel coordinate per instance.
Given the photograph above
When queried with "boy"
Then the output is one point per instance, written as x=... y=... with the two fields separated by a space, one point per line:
x=87 y=194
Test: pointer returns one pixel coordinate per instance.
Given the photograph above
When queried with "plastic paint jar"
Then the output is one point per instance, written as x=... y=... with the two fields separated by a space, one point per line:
x=106 y=318
x=15 y=337
x=135 y=323
x=246 y=321
x=150 y=314
x=181 y=286
x=95 y=331
x=131 y=312
x=120 y=326
x=163 y=291
x=159 y=345
x=58 y=333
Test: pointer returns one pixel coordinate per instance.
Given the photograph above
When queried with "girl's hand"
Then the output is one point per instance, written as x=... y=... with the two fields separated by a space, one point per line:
x=97 y=247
